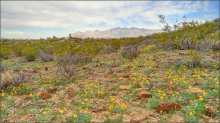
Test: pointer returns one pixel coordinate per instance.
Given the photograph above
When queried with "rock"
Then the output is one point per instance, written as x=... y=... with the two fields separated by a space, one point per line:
x=166 y=107
x=85 y=67
x=195 y=90
x=98 y=108
x=144 y=94
x=52 y=91
x=70 y=95
x=210 y=112
x=109 y=88
x=176 y=118
x=140 y=85
x=124 y=87
x=36 y=70
x=46 y=68
x=127 y=75
x=45 y=96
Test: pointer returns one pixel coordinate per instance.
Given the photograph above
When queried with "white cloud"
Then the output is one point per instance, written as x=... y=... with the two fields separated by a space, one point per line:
x=78 y=15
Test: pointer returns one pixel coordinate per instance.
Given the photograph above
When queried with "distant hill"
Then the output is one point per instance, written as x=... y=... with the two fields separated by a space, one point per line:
x=116 y=33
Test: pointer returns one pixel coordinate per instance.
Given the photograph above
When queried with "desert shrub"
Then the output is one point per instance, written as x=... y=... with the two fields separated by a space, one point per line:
x=5 y=52
x=2 y=68
x=195 y=59
x=130 y=51
x=204 y=46
x=14 y=80
x=30 y=54
x=46 y=55
x=30 y=57
x=68 y=64
x=109 y=49
x=216 y=45
x=170 y=46
x=147 y=48
x=186 y=44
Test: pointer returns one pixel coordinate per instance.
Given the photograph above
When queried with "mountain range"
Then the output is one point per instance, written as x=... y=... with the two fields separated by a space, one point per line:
x=116 y=33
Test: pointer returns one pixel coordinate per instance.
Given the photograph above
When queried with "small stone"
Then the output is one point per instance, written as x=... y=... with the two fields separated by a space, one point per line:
x=36 y=70
x=109 y=88
x=85 y=67
x=45 y=96
x=166 y=107
x=98 y=108
x=127 y=75
x=195 y=90
x=144 y=94
x=52 y=91
x=124 y=87
x=46 y=68
x=209 y=112
x=176 y=118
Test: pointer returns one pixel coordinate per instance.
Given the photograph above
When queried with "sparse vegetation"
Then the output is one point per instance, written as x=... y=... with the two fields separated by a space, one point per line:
x=91 y=80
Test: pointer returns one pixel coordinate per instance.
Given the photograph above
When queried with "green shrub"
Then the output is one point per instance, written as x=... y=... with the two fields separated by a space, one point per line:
x=68 y=64
x=130 y=52
x=30 y=54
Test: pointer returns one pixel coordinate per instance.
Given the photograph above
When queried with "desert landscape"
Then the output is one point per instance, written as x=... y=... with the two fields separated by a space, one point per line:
x=123 y=74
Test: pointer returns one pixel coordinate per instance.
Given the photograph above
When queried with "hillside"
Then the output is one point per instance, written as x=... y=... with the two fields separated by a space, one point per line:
x=165 y=77
x=116 y=33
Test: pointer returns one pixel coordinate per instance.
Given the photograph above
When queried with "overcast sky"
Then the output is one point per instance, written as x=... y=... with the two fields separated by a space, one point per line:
x=36 y=19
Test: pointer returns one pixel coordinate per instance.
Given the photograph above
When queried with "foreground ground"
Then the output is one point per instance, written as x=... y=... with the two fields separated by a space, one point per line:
x=112 y=88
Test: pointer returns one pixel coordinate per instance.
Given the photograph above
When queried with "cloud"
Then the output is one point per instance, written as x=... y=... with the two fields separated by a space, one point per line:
x=64 y=17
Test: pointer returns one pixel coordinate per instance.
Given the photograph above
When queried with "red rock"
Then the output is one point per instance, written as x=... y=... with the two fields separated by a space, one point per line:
x=98 y=108
x=45 y=96
x=144 y=94
x=85 y=67
x=52 y=91
x=209 y=112
x=166 y=107
x=36 y=70
x=127 y=75
x=109 y=88
x=124 y=87
x=46 y=68
x=70 y=95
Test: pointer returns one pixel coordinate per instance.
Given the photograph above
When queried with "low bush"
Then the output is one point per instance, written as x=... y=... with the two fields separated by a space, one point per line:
x=46 y=55
x=14 y=80
x=68 y=64
x=204 y=46
x=195 y=59
x=30 y=54
x=216 y=45
x=109 y=49
x=186 y=44
x=130 y=52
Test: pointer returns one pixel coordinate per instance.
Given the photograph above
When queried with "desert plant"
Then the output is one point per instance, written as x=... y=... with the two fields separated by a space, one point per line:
x=170 y=46
x=68 y=64
x=204 y=46
x=46 y=55
x=186 y=44
x=109 y=49
x=195 y=59
x=130 y=52
x=216 y=45
x=2 y=68
x=14 y=80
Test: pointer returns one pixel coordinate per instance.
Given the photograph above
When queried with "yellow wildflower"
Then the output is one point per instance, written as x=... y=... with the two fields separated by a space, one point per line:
x=190 y=113
x=44 y=112
x=123 y=106
x=75 y=115
x=31 y=95
x=200 y=98
x=110 y=107
x=61 y=111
